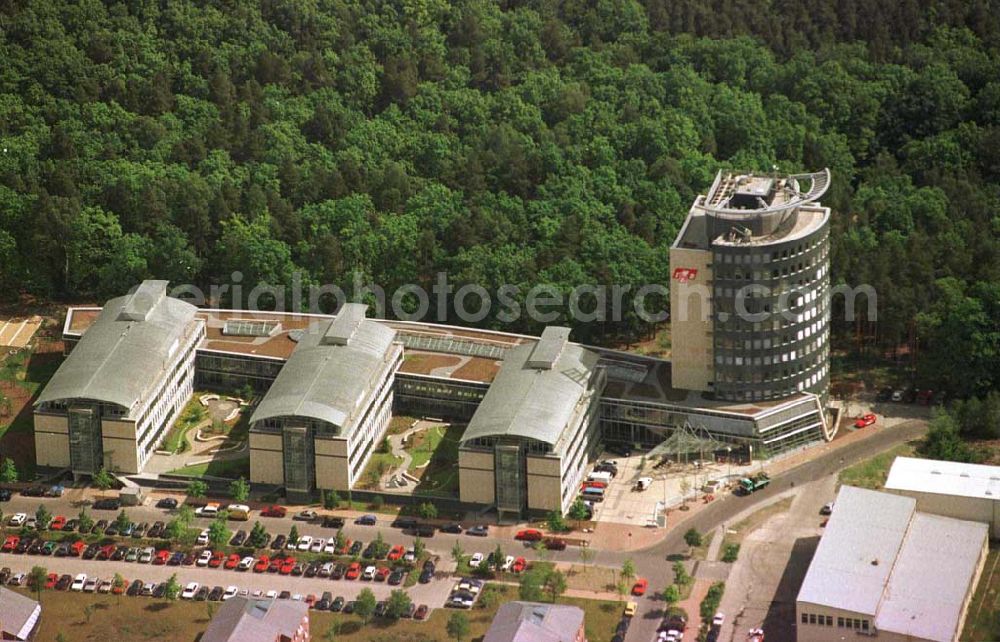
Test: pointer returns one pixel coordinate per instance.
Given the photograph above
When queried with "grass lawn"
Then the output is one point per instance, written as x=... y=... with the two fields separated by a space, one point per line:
x=230 y=468
x=440 y=475
x=130 y=618
x=378 y=464
x=191 y=416
x=872 y=473
x=981 y=623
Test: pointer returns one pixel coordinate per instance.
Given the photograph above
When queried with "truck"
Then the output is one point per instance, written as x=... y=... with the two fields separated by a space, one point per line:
x=752 y=484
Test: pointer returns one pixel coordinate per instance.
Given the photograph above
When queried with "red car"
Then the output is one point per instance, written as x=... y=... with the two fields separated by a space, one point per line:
x=287 y=566
x=396 y=553
x=162 y=556
x=865 y=420
x=217 y=559
x=105 y=552
x=232 y=561
x=353 y=571
x=639 y=588
x=58 y=522
x=382 y=573
x=519 y=565
x=10 y=543
x=594 y=484
x=118 y=589
x=274 y=511
x=262 y=563
x=343 y=550
x=76 y=550
x=50 y=581
x=529 y=535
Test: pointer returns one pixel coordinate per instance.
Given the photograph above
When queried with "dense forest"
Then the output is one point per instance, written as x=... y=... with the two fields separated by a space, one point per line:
x=517 y=142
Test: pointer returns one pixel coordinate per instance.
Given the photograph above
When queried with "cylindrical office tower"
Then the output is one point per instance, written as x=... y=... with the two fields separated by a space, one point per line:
x=762 y=246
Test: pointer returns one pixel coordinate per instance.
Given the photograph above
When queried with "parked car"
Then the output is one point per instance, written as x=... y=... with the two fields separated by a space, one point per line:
x=396 y=577
x=279 y=542
x=58 y=523
x=421 y=612
x=108 y=503
x=519 y=565
x=528 y=535
x=366 y=520
x=555 y=544
x=353 y=571
x=333 y=522
x=306 y=515
x=274 y=511
x=395 y=553
x=238 y=538
x=167 y=503
x=827 y=509
x=865 y=421
x=478 y=530
x=78 y=582
x=640 y=586
x=261 y=564
x=454 y=528
x=190 y=590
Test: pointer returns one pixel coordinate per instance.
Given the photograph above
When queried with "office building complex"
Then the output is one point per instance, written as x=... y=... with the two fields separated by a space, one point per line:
x=329 y=407
x=750 y=289
x=115 y=396
x=532 y=436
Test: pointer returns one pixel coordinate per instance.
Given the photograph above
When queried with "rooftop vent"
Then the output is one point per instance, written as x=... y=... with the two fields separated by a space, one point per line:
x=142 y=300
x=550 y=345
x=343 y=327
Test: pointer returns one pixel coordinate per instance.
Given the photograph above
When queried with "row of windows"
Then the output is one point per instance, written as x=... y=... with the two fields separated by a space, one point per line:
x=769 y=257
x=858 y=624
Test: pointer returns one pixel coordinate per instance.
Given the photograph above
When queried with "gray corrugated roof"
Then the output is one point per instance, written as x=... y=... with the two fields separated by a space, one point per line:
x=944 y=478
x=18 y=614
x=533 y=402
x=930 y=580
x=326 y=381
x=853 y=560
x=121 y=356
x=242 y=619
x=535 y=622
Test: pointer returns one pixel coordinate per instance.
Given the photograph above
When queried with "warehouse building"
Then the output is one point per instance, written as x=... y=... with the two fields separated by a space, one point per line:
x=529 y=441
x=329 y=407
x=885 y=570
x=113 y=399
x=750 y=286
x=949 y=488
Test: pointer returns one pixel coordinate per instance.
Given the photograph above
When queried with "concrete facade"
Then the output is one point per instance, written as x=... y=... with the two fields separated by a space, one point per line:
x=691 y=318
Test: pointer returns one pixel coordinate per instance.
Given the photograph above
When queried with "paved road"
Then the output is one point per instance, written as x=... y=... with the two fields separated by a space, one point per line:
x=651 y=561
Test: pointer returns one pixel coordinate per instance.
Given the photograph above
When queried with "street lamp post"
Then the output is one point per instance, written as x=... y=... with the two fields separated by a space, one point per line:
x=729 y=462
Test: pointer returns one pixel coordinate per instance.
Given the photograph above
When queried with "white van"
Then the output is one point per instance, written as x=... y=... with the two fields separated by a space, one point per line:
x=643 y=483
x=600 y=477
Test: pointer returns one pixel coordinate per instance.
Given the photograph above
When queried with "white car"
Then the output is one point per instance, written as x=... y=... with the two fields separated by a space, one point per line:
x=104 y=586
x=231 y=592
x=78 y=582
x=271 y=594
x=147 y=555
x=204 y=558
x=508 y=562
x=318 y=544
x=369 y=573
x=718 y=619
x=476 y=560
x=18 y=519
x=326 y=570
x=296 y=597
x=32 y=523
x=190 y=590
x=208 y=510
x=331 y=546
x=202 y=538
x=304 y=543
x=257 y=593
x=90 y=585
x=411 y=556
x=19 y=579
x=292 y=543
x=246 y=563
